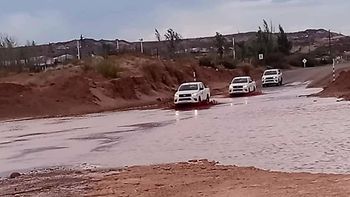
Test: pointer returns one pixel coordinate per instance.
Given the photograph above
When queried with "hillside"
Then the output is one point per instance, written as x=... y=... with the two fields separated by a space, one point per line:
x=302 y=42
x=80 y=89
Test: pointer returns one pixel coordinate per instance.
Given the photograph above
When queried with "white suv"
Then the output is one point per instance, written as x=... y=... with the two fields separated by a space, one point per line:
x=193 y=92
x=272 y=77
x=242 y=85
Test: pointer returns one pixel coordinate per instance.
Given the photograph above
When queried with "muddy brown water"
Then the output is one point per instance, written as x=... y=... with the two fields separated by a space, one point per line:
x=279 y=130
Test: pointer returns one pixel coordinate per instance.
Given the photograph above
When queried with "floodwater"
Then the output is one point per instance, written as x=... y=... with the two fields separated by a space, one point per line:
x=280 y=130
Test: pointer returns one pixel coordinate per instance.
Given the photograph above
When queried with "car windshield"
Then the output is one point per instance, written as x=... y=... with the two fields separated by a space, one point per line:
x=188 y=87
x=240 y=80
x=271 y=72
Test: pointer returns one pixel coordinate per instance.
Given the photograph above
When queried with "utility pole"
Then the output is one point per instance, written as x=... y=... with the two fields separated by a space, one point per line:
x=78 y=48
x=233 y=48
x=333 y=70
x=118 y=45
x=330 y=43
x=141 y=45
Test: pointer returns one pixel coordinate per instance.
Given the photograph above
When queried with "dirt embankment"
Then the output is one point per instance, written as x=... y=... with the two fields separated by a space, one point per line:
x=196 y=178
x=74 y=90
x=340 y=88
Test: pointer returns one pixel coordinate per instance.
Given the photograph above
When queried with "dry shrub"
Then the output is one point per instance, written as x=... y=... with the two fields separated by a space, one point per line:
x=247 y=69
x=277 y=60
x=108 y=69
x=228 y=63
x=207 y=62
x=296 y=60
x=153 y=72
x=175 y=73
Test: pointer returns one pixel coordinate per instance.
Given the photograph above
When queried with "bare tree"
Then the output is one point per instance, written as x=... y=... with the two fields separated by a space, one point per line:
x=7 y=41
x=7 y=45
x=158 y=36
x=284 y=45
x=173 y=38
x=220 y=44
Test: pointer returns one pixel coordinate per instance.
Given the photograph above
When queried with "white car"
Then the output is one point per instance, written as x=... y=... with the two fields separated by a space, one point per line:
x=193 y=92
x=272 y=77
x=242 y=85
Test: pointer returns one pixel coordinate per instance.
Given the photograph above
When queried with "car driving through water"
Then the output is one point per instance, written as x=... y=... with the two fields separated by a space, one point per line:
x=242 y=85
x=193 y=92
x=272 y=77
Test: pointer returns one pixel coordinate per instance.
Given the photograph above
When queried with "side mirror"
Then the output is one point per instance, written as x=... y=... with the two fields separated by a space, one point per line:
x=201 y=88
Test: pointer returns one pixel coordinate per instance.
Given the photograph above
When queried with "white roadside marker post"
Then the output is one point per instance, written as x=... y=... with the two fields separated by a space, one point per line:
x=233 y=49
x=333 y=70
x=194 y=76
x=304 y=61
x=141 y=45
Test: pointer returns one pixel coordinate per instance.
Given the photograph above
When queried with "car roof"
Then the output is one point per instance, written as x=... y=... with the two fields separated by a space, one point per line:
x=192 y=83
x=242 y=77
x=272 y=70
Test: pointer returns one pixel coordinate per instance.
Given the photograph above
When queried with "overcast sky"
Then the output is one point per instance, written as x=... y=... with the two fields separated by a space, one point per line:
x=60 y=20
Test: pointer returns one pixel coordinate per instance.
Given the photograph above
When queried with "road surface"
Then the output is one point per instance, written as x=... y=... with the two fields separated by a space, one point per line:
x=279 y=130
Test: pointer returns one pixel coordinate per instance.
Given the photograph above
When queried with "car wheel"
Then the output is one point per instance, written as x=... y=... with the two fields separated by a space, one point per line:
x=199 y=99
x=208 y=99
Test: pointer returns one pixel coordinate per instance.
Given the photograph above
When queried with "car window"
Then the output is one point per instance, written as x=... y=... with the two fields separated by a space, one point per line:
x=270 y=72
x=188 y=87
x=240 y=80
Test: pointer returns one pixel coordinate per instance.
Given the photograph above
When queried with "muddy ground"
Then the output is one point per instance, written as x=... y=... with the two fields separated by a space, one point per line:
x=194 y=178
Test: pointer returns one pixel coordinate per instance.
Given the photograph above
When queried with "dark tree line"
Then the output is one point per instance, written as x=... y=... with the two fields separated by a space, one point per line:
x=266 y=42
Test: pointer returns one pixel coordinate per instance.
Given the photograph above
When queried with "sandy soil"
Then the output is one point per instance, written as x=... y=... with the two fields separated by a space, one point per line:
x=73 y=90
x=340 y=88
x=195 y=178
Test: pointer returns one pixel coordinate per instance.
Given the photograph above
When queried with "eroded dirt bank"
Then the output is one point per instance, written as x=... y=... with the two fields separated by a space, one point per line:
x=78 y=89
x=196 y=178
x=340 y=88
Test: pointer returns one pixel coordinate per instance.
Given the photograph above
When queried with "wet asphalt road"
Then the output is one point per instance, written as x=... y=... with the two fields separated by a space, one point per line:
x=279 y=130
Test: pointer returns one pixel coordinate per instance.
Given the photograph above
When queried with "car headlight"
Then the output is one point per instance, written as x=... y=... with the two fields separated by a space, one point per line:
x=194 y=94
